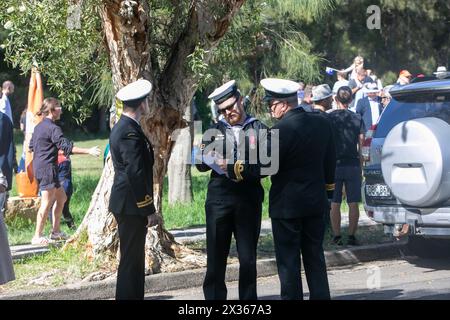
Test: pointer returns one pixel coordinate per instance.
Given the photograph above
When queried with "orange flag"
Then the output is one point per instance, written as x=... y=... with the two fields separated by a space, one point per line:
x=28 y=187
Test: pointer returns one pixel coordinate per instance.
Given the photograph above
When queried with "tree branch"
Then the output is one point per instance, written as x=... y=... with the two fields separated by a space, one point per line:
x=125 y=24
x=206 y=25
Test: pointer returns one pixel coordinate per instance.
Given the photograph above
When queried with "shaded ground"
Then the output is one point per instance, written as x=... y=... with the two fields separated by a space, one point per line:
x=366 y=235
x=399 y=279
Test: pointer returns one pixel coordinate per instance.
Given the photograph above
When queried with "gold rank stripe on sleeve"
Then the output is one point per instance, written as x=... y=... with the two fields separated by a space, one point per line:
x=238 y=168
x=148 y=200
x=330 y=187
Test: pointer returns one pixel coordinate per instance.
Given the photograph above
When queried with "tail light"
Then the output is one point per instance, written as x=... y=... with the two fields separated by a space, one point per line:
x=365 y=150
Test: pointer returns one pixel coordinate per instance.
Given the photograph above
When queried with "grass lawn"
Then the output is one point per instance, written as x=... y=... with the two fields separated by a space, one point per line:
x=366 y=235
x=86 y=172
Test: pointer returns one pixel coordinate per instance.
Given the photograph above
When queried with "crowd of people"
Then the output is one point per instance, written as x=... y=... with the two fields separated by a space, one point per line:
x=353 y=105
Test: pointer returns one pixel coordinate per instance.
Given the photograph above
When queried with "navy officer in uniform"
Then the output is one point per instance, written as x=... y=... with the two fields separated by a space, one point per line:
x=298 y=197
x=232 y=206
x=131 y=199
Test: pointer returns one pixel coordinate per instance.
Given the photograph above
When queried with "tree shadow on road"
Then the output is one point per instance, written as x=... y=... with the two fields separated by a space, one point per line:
x=435 y=264
x=374 y=295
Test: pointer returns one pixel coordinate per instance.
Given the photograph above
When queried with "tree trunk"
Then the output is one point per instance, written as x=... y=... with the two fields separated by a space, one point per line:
x=125 y=25
x=179 y=169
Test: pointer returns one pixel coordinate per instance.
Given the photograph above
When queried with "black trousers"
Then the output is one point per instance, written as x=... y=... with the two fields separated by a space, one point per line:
x=131 y=272
x=304 y=236
x=224 y=218
x=66 y=211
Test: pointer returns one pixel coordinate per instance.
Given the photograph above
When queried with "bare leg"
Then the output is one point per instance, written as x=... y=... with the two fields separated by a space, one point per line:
x=47 y=199
x=336 y=218
x=353 y=217
x=61 y=198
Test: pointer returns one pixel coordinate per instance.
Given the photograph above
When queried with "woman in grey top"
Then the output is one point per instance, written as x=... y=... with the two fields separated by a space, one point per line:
x=47 y=139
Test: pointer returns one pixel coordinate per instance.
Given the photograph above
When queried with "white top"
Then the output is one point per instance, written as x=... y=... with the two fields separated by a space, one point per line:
x=339 y=84
x=352 y=68
x=375 y=110
x=5 y=107
x=236 y=132
x=358 y=96
x=3 y=180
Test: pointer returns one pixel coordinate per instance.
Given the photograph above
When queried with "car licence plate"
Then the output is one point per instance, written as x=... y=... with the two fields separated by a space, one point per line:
x=378 y=190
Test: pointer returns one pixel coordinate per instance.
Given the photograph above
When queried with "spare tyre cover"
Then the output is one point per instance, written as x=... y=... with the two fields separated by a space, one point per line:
x=416 y=161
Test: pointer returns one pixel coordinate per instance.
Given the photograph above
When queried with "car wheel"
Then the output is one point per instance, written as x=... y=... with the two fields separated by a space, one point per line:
x=416 y=161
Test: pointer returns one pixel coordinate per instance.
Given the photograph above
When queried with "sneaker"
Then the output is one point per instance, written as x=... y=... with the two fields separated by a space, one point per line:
x=352 y=241
x=43 y=241
x=337 y=240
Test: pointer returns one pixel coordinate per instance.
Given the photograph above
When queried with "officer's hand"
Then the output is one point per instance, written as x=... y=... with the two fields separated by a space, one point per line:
x=2 y=188
x=94 y=151
x=154 y=220
x=222 y=163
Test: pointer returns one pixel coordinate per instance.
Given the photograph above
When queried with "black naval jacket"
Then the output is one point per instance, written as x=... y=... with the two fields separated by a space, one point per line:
x=307 y=161
x=132 y=156
x=220 y=186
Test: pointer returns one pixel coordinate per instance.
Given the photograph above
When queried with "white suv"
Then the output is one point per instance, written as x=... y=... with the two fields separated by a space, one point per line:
x=407 y=167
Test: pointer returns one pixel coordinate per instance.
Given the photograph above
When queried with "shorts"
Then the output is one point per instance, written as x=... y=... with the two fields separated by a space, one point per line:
x=65 y=177
x=47 y=177
x=350 y=178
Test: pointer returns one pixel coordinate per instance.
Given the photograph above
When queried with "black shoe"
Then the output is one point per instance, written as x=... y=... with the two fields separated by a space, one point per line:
x=352 y=241
x=337 y=240
x=71 y=225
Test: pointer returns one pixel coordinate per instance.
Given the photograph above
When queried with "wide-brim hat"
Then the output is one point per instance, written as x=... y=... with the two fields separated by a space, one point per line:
x=371 y=88
x=321 y=92
x=441 y=70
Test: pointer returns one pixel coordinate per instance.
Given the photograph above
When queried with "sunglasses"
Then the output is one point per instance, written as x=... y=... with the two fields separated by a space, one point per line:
x=228 y=108
x=274 y=105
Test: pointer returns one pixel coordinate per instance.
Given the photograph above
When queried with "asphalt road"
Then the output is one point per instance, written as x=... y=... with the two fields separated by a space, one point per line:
x=405 y=278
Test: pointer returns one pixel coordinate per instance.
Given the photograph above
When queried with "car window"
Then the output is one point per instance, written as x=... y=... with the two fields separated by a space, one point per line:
x=413 y=107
